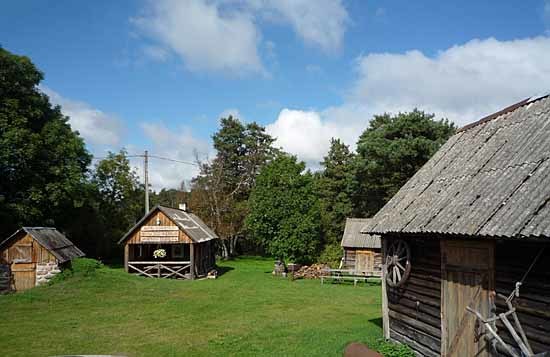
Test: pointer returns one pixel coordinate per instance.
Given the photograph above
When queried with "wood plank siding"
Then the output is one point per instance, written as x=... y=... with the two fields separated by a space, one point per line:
x=152 y=221
x=27 y=250
x=19 y=261
x=467 y=271
x=414 y=309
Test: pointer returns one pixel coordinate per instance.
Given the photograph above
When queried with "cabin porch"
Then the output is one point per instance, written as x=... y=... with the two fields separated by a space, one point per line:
x=177 y=263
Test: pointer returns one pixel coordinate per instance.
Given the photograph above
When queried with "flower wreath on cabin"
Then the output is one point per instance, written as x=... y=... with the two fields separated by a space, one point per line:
x=159 y=253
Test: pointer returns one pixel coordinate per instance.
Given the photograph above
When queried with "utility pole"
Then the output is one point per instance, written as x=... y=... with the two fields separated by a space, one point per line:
x=146 y=179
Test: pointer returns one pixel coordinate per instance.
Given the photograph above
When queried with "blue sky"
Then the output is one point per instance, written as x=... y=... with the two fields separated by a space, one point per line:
x=158 y=75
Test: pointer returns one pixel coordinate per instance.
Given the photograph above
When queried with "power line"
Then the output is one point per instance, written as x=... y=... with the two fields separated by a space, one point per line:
x=146 y=158
x=152 y=156
x=174 y=160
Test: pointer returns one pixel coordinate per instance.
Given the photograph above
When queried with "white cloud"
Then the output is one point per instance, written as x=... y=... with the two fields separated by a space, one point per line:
x=205 y=37
x=179 y=144
x=95 y=126
x=321 y=23
x=225 y=35
x=463 y=83
x=235 y=113
x=307 y=135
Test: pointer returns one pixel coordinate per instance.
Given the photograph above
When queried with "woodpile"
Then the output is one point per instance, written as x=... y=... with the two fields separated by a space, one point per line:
x=314 y=271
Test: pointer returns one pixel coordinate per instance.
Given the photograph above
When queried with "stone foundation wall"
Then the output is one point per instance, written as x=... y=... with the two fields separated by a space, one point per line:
x=46 y=271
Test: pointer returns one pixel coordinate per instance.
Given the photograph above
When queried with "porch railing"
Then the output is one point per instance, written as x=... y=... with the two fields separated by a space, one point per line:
x=163 y=269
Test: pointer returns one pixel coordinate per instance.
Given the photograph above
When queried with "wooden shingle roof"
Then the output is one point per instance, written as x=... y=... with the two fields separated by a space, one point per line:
x=51 y=239
x=353 y=238
x=491 y=179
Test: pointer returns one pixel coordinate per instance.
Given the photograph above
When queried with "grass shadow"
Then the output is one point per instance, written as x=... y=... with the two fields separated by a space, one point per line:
x=114 y=265
x=223 y=269
x=377 y=321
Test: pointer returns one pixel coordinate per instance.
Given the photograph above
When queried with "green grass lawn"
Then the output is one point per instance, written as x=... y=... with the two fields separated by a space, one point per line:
x=245 y=312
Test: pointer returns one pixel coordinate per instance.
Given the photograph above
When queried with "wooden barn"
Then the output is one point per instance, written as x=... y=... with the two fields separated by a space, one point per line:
x=32 y=256
x=188 y=244
x=361 y=252
x=466 y=242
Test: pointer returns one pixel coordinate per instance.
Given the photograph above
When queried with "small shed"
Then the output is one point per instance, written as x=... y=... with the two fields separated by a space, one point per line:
x=188 y=244
x=362 y=252
x=470 y=233
x=32 y=256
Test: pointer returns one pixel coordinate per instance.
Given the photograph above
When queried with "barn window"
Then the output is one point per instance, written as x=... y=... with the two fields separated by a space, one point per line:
x=140 y=251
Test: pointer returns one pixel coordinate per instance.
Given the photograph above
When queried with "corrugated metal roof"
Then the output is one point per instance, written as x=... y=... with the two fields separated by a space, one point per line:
x=51 y=239
x=353 y=238
x=490 y=179
x=192 y=225
x=195 y=228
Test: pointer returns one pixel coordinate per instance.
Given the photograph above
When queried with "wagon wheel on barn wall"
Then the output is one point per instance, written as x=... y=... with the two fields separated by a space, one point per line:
x=398 y=263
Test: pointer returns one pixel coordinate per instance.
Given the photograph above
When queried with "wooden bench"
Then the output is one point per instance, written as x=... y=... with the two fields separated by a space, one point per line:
x=340 y=275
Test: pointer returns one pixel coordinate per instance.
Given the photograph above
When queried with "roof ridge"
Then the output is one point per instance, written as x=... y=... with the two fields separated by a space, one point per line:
x=501 y=112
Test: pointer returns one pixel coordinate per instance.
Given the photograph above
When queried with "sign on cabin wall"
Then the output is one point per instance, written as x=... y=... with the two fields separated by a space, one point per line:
x=159 y=234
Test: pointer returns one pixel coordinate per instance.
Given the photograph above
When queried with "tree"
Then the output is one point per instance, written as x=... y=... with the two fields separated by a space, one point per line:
x=170 y=197
x=335 y=185
x=284 y=213
x=390 y=151
x=120 y=201
x=43 y=163
x=220 y=192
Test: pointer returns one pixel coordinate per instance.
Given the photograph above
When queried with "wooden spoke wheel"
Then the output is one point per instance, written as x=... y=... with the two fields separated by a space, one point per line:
x=398 y=263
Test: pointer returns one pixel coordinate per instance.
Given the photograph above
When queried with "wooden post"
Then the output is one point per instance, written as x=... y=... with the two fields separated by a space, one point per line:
x=192 y=260
x=126 y=256
x=385 y=313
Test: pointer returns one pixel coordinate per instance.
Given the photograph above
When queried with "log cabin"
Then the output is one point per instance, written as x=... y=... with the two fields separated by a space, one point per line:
x=470 y=233
x=32 y=256
x=188 y=245
x=361 y=252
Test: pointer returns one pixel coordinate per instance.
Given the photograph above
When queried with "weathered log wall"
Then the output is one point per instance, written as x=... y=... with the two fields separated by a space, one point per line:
x=533 y=305
x=350 y=257
x=5 y=278
x=414 y=309
x=205 y=258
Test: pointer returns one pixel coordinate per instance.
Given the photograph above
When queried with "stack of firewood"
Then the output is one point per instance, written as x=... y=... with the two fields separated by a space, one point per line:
x=314 y=271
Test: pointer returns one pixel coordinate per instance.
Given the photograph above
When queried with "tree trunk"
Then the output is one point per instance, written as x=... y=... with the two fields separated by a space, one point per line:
x=225 y=250
x=233 y=245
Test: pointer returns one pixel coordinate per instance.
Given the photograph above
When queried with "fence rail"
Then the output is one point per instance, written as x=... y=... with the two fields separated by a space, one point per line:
x=164 y=269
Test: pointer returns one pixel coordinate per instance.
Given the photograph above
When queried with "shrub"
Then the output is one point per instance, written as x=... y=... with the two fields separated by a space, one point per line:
x=78 y=267
x=85 y=266
x=331 y=255
x=390 y=349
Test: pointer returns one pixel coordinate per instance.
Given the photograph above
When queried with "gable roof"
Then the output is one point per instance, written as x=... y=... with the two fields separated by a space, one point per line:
x=353 y=238
x=51 y=239
x=192 y=225
x=491 y=179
